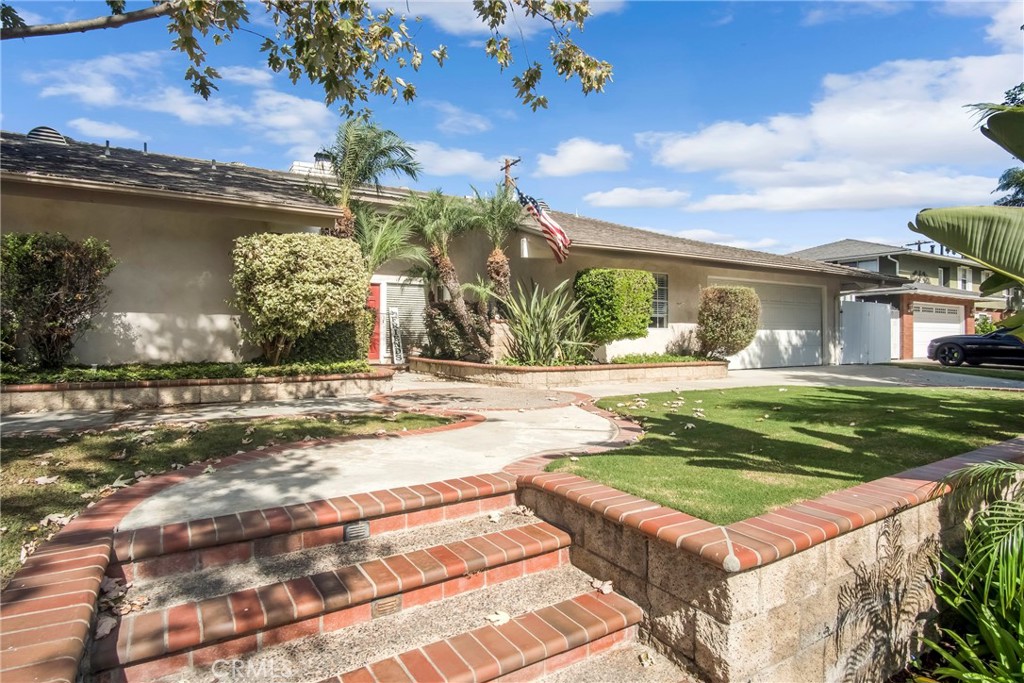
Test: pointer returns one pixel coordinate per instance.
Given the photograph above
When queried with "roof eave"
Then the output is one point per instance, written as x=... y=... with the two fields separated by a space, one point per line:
x=149 y=193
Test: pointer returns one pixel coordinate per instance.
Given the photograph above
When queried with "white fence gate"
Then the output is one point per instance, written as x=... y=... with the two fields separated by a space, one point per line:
x=864 y=332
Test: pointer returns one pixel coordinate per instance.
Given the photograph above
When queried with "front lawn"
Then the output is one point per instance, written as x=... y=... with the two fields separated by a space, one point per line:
x=981 y=371
x=728 y=455
x=47 y=477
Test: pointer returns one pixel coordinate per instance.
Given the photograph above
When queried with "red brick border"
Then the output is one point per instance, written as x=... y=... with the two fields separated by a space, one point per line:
x=457 y=567
x=760 y=540
x=172 y=383
x=554 y=637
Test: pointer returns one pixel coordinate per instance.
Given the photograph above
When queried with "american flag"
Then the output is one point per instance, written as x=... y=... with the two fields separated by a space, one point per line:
x=553 y=233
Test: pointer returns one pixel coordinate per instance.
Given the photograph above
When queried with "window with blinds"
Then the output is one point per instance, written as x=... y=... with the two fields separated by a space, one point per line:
x=410 y=299
x=659 y=307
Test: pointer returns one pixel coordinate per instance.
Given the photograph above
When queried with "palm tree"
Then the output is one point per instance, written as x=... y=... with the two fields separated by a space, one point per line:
x=500 y=214
x=362 y=153
x=438 y=219
x=383 y=238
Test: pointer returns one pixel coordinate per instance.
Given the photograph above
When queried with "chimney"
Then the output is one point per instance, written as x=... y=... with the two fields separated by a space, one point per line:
x=106 y=152
x=145 y=148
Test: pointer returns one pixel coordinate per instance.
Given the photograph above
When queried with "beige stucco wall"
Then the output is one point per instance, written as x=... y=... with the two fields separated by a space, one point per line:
x=170 y=287
x=685 y=279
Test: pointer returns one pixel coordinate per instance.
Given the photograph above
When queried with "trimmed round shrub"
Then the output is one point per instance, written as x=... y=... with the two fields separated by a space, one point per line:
x=616 y=302
x=290 y=286
x=53 y=287
x=727 y=320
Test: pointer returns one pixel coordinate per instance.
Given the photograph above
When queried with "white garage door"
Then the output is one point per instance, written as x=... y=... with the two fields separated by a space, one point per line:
x=789 y=333
x=932 y=321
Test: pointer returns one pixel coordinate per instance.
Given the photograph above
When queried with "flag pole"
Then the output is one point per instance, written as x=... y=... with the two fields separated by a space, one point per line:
x=509 y=163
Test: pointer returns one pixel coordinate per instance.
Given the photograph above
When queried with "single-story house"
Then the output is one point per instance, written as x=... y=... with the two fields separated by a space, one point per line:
x=940 y=295
x=171 y=221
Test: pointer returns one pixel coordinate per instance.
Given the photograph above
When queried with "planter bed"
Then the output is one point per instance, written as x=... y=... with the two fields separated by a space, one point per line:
x=566 y=375
x=168 y=392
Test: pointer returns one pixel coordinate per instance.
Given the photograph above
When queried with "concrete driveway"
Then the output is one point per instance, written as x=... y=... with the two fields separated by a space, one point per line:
x=819 y=376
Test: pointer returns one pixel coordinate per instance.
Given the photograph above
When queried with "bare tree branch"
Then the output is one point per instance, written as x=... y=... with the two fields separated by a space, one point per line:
x=83 y=25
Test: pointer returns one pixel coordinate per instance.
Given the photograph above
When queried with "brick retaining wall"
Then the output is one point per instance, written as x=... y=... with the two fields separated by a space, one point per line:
x=566 y=375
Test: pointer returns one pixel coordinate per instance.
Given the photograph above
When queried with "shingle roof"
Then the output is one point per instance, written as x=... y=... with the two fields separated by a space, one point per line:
x=131 y=168
x=933 y=290
x=844 y=249
x=590 y=232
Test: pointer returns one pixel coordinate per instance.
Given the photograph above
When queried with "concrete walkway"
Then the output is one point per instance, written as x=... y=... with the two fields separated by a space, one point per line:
x=519 y=423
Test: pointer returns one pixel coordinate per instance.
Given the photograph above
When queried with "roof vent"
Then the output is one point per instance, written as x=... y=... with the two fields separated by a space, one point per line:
x=46 y=134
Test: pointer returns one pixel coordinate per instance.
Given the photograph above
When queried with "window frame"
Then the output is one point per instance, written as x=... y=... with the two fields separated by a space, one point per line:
x=659 y=321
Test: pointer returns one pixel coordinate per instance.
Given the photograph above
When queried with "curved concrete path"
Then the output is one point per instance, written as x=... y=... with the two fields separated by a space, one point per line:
x=301 y=475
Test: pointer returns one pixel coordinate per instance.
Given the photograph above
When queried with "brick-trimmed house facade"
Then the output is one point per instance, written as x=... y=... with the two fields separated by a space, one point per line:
x=941 y=296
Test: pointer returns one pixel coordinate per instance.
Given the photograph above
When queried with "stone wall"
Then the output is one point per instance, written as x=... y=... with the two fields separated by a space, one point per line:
x=837 y=589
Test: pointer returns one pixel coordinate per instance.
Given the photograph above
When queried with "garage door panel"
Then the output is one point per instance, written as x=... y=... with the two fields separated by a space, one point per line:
x=932 y=321
x=790 y=329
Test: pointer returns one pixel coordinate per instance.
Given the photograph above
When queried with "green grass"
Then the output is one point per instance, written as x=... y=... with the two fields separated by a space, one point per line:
x=83 y=463
x=16 y=374
x=761 y=448
x=638 y=358
x=999 y=373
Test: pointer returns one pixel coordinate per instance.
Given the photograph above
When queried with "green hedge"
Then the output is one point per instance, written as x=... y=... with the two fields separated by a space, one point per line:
x=347 y=341
x=727 y=320
x=136 y=372
x=642 y=358
x=616 y=302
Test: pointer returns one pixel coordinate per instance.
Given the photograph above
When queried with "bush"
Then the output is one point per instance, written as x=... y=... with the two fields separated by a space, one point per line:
x=53 y=287
x=337 y=343
x=984 y=325
x=546 y=328
x=727 y=320
x=294 y=285
x=444 y=340
x=616 y=302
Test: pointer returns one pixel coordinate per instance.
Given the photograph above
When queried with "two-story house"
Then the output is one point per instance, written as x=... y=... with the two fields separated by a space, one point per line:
x=941 y=299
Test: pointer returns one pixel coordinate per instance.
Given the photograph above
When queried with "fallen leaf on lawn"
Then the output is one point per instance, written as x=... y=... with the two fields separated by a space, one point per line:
x=689 y=425
x=33 y=528
x=62 y=440
x=783 y=389
x=88 y=494
x=853 y=424
x=120 y=456
x=177 y=466
x=104 y=625
x=139 y=474
x=498 y=618
x=209 y=470
x=249 y=430
x=261 y=448
x=56 y=518
x=121 y=482
x=574 y=458
x=380 y=432
x=671 y=433
x=246 y=441
x=307 y=437
x=766 y=416
x=43 y=481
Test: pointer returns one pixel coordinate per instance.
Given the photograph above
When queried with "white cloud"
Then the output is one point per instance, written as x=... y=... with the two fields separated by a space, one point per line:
x=1005 y=17
x=580 y=155
x=96 y=82
x=246 y=75
x=188 y=107
x=893 y=189
x=637 y=197
x=896 y=135
x=826 y=12
x=448 y=161
x=456 y=120
x=28 y=16
x=460 y=19
x=100 y=129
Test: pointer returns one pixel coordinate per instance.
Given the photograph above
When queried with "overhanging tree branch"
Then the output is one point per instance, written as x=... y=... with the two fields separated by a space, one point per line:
x=96 y=23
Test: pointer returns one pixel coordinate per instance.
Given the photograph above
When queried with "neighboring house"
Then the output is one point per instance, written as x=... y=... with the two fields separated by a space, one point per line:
x=171 y=221
x=941 y=299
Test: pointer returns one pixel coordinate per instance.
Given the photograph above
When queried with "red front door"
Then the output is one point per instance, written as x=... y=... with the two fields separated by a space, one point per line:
x=374 y=303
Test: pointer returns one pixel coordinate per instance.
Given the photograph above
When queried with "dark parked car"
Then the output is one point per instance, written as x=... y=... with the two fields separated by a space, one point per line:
x=974 y=349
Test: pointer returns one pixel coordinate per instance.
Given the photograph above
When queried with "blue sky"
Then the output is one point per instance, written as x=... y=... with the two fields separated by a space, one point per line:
x=766 y=125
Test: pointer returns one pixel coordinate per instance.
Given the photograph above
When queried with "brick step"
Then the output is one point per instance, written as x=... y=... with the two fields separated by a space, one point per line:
x=522 y=649
x=626 y=662
x=165 y=591
x=316 y=657
x=246 y=620
x=202 y=543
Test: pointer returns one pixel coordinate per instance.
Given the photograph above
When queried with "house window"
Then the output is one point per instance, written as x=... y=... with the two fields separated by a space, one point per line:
x=867 y=264
x=965 y=278
x=944 y=277
x=659 y=307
